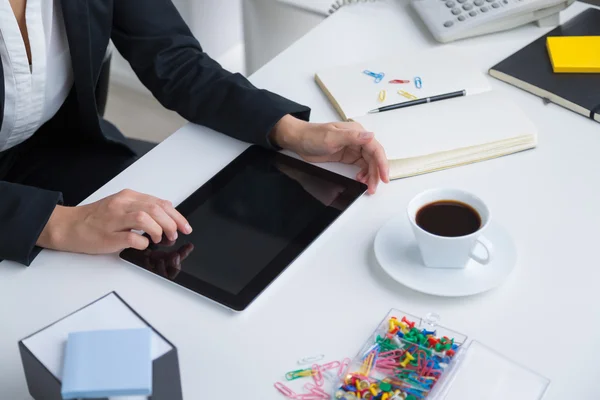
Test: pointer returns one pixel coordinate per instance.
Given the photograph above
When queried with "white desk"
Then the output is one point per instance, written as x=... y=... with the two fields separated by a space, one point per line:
x=332 y=296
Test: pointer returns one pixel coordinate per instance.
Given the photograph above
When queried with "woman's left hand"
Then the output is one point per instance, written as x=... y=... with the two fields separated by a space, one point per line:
x=346 y=142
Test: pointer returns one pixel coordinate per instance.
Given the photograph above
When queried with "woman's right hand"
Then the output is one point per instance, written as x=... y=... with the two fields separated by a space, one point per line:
x=106 y=225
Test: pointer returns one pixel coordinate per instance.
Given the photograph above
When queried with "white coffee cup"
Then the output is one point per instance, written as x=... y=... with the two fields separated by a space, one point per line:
x=450 y=252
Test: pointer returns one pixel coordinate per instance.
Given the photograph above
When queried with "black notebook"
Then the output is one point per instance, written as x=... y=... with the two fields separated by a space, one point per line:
x=530 y=69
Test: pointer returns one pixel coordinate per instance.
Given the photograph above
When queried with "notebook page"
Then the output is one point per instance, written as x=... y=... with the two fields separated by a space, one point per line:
x=447 y=125
x=442 y=70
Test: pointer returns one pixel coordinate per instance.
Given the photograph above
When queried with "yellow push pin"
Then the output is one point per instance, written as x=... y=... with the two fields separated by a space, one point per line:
x=408 y=359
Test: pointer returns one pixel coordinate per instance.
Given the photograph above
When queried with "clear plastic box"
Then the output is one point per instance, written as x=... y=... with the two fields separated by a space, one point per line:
x=439 y=366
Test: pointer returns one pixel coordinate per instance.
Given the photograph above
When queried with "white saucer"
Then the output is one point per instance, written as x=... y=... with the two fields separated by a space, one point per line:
x=397 y=252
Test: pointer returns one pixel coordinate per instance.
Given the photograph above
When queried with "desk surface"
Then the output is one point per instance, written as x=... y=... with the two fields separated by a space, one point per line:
x=331 y=297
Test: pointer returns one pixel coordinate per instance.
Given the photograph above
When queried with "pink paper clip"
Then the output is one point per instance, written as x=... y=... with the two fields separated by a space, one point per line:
x=317 y=391
x=286 y=391
x=318 y=375
x=330 y=365
x=343 y=366
x=308 y=396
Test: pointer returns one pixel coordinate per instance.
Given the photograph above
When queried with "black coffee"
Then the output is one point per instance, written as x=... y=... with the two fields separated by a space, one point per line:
x=448 y=218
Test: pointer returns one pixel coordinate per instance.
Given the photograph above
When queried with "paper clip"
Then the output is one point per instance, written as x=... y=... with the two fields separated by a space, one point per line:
x=330 y=365
x=407 y=95
x=284 y=390
x=317 y=375
x=299 y=373
x=418 y=82
x=311 y=359
x=377 y=75
x=344 y=364
x=317 y=391
x=382 y=95
x=399 y=81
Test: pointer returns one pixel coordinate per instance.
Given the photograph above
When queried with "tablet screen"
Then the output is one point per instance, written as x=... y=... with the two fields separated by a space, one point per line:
x=244 y=221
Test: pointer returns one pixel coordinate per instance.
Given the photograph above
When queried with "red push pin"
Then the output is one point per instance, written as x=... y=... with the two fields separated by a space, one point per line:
x=432 y=341
x=450 y=353
x=407 y=322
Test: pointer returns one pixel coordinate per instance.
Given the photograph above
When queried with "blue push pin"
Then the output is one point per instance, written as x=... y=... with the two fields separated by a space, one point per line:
x=426 y=332
x=378 y=76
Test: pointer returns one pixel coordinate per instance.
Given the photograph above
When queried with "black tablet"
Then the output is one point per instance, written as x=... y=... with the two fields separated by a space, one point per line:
x=250 y=221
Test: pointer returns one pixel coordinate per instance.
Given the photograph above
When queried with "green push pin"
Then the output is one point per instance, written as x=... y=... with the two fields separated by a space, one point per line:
x=384 y=386
x=411 y=397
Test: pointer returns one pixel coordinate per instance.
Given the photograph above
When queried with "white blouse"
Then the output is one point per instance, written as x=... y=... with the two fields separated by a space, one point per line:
x=33 y=94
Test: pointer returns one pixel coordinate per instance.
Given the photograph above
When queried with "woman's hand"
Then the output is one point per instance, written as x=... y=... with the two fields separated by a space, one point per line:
x=346 y=142
x=106 y=225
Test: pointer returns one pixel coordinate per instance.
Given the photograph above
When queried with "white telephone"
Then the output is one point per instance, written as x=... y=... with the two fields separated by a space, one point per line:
x=450 y=20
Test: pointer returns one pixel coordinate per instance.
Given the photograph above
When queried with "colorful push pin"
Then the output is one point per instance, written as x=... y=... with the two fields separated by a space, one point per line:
x=432 y=341
x=407 y=322
x=385 y=396
x=385 y=386
x=450 y=353
x=408 y=358
x=427 y=333
x=363 y=385
x=377 y=75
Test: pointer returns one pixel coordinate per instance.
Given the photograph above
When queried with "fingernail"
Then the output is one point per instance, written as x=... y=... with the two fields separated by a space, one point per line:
x=366 y=135
x=175 y=236
x=188 y=228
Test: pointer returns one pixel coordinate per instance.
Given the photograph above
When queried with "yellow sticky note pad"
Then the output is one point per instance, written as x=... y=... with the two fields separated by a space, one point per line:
x=574 y=54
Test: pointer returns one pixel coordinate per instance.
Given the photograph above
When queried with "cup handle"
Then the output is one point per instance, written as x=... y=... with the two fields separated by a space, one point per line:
x=489 y=248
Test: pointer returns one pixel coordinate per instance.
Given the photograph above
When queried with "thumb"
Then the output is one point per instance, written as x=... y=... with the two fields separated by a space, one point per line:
x=350 y=137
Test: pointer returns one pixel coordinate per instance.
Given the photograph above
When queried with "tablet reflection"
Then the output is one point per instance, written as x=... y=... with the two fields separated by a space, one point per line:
x=165 y=258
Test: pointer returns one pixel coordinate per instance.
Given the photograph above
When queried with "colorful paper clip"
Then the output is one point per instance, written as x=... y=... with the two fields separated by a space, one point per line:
x=382 y=95
x=284 y=390
x=399 y=81
x=311 y=359
x=418 y=82
x=409 y=96
x=377 y=75
x=299 y=373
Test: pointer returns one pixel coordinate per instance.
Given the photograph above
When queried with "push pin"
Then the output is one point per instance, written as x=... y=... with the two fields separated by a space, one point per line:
x=407 y=322
x=377 y=75
x=409 y=357
x=427 y=333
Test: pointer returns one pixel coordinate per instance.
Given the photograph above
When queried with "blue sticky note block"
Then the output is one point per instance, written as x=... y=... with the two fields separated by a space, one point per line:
x=107 y=363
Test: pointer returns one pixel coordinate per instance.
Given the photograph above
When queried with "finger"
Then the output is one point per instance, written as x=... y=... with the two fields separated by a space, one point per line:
x=182 y=223
x=126 y=240
x=348 y=137
x=373 y=177
x=362 y=174
x=158 y=214
x=141 y=221
x=374 y=150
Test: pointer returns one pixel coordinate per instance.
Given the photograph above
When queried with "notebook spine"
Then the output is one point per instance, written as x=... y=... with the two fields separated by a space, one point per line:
x=341 y=3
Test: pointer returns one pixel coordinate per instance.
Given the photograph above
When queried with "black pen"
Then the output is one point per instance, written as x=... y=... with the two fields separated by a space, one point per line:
x=420 y=101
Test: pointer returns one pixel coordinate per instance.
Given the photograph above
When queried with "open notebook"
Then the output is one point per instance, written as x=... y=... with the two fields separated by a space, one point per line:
x=449 y=133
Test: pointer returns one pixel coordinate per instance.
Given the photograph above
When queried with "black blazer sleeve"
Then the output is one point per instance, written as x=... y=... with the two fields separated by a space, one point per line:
x=169 y=61
x=24 y=211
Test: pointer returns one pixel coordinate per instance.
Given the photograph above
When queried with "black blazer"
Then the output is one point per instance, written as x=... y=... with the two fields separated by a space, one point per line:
x=169 y=61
